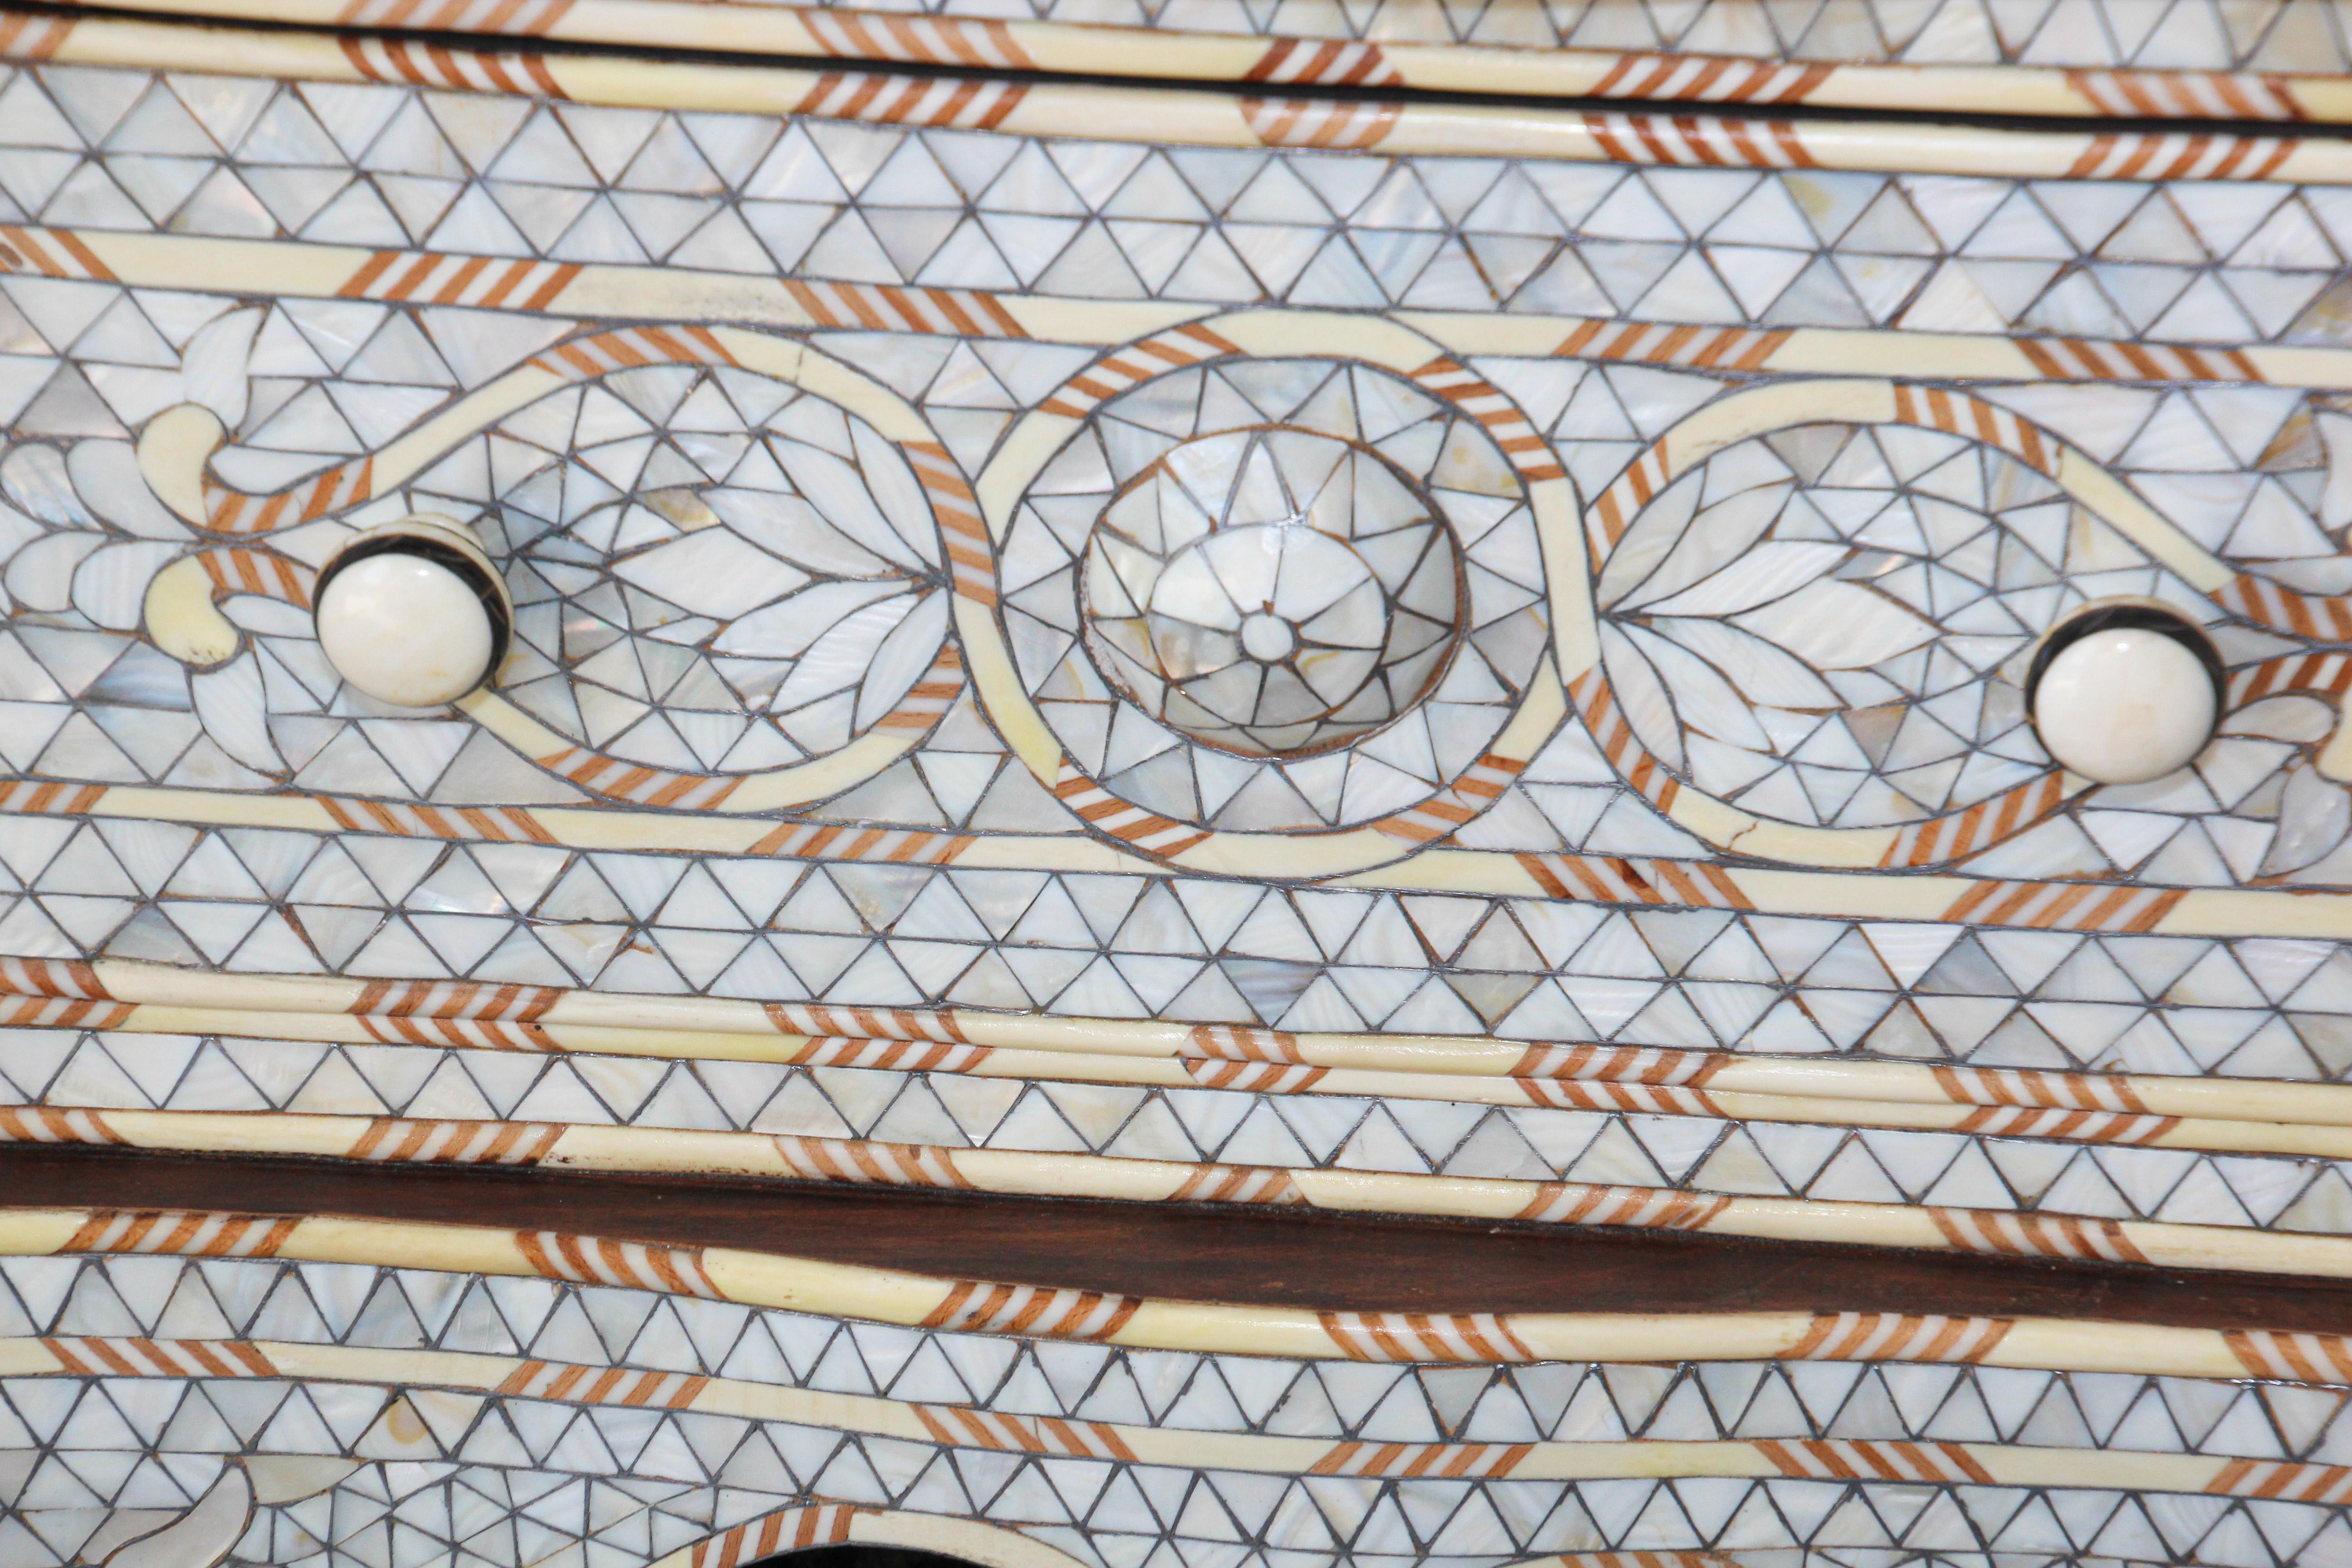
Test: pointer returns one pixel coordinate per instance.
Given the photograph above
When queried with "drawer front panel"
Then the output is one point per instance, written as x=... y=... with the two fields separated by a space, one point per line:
x=1067 y=642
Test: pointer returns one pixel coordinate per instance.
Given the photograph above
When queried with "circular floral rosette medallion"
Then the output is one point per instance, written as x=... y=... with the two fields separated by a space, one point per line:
x=717 y=574
x=1300 y=594
x=727 y=553
x=1809 y=596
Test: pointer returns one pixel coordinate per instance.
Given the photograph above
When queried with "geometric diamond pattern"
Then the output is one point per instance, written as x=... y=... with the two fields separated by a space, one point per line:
x=353 y=1474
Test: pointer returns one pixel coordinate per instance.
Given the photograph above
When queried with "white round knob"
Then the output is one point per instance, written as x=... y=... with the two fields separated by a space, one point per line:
x=2124 y=701
x=408 y=620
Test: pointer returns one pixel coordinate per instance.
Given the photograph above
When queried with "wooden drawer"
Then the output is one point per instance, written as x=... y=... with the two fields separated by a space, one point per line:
x=1476 y=676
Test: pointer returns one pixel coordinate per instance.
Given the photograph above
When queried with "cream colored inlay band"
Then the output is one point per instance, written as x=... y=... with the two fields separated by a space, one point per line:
x=148 y=998
x=682 y=294
x=2060 y=906
x=1276 y=61
x=1023 y=108
x=960 y=1427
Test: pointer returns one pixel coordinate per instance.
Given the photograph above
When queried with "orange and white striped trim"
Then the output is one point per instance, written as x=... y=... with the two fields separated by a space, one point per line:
x=1894 y=1336
x=55 y=992
x=95 y=1355
x=2039 y=1087
x=182 y=1232
x=971 y=555
x=1974 y=419
x=237 y=569
x=887 y=846
x=1694 y=140
x=792 y=1530
x=2284 y=1480
x=1505 y=422
x=2008 y=1234
x=1425 y=1337
x=1637 y=1099
x=2080 y=1126
x=892 y=307
x=1958 y=833
x=894 y=1056
x=2106 y=359
x=975 y=1307
x=51 y=252
x=1255 y=1077
x=34 y=796
x=2292 y=1357
x=424 y=278
x=636 y=1265
x=1330 y=124
x=2267 y=603
x=1238 y=1184
x=63 y=977
x=627 y=348
x=961 y=1427
x=395 y=1140
x=467 y=1033
x=344 y=486
x=1595 y=700
x=982 y=43
x=54 y=1013
x=29 y=37
x=414 y=63
x=1648 y=1208
x=1480 y=786
x=1129 y=367
x=1413 y=1462
x=1622 y=879
x=54 y=1124
x=2180 y=155
x=943 y=103
x=504 y=1001
x=638 y=785
x=1323 y=62
x=527 y=18
x=2025 y=1102
x=1620 y=1064
x=502 y=1018
x=1240 y=1043
x=602 y=1385
x=488 y=824
x=1146 y=831
x=1614 y=510
x=1710 y=78
x=870 y=1163
x=2064 y=906
x=1856 y=1459
x=2186 y=95
x=818 y=1018
x=2311 y=674
x=1652 y=343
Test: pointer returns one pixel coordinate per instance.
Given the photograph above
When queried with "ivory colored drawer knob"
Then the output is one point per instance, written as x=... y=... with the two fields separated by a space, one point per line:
x=2124 y=693
x=413 y=614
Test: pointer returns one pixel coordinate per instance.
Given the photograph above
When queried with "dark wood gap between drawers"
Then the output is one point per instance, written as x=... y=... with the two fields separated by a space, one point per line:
x=1198 y=1252
x=501 y=43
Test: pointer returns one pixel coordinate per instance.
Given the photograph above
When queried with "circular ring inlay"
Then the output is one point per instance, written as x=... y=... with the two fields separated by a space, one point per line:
x=1275 y=594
